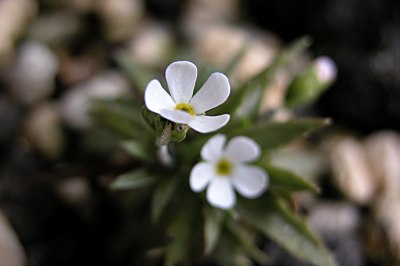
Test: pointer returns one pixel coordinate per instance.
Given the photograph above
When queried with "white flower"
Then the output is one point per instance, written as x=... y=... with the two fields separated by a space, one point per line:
x=181 y=106
x=224 y=170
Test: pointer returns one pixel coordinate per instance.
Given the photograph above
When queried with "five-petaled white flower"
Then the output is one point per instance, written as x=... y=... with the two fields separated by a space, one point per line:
x=224 y=170
x=181 y=106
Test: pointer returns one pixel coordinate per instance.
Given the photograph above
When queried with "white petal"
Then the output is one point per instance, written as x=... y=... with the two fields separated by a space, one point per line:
x=181 y=78
x=213 y=93
x=200 y=176
x=242 y=149
x=326 y=69
x=249 y=181
x=212 y=149
x=176 y=116
x=220 y=193
x=206 y=124
x=156 y=98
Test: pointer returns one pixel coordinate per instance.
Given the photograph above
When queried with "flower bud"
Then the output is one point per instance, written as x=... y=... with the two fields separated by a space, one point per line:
x=311 y=83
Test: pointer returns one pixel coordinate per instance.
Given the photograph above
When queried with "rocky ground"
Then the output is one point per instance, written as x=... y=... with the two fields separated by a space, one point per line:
x=56 y=57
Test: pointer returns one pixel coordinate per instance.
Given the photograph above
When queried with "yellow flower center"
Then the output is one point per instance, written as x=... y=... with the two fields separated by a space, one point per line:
x=224 y=167
x=186 y=108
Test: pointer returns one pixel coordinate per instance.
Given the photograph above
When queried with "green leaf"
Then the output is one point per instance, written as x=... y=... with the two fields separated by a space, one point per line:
x=242 y=237
x=137 y=178
x=233 y=63
x=230 y=252
x=121 y=116
x=212 y=227
x=244 y=103
x=138 y=74
x=286 y=180
x=251 y=100
x=127 y=108
x=162 y=196
x=138 y=149
x=100 y=140
x=278 y=223
x=305 y=88
x=274 y=134
x=184 y=228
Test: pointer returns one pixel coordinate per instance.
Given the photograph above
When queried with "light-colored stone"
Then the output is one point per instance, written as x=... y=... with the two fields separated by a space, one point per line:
x=300 y=159
x=351 y=170
x=74 y=190
x=76 y=102
x=334 y=217
x=81 y=5
x=55 y=28
x=199 y=12
x=387 y=210
x=43 y=129
x=151 y=44
x=259 y=53
x=219 y=44
x=275 y=95
x=11 y=250
x=383 y=153
x=120 y=17
x=14 y=17
x=31 y=78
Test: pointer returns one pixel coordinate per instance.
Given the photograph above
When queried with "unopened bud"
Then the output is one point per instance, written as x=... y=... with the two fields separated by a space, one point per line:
x=311 y=83
x=326 y=69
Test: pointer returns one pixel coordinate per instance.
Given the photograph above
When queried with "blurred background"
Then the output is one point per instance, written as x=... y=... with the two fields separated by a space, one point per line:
x=58 y=56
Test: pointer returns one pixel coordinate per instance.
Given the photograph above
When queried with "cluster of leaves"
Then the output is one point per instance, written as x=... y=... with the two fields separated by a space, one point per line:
x=195 y=229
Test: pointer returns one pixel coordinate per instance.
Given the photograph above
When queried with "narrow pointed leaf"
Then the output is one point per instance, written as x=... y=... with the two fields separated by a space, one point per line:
x=274 y=134
x=238 y=104
x=135 y=179
x=233 y=63
x=122 y=117
x=246 y=242
x=161 y=197
x=279 y=224
x=127 y=108
x=183 y=228
x=248 y=109
x=285 y=180
x=138 y=149
x=138 y=74
x=212 y=227
x=230 y=252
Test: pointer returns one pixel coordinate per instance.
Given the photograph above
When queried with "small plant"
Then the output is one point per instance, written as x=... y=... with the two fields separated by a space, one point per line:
x=203 y=176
